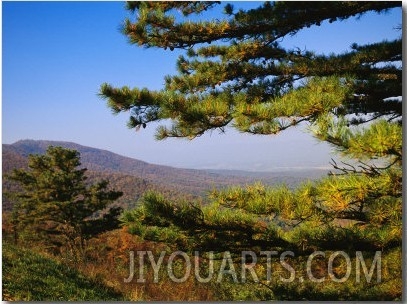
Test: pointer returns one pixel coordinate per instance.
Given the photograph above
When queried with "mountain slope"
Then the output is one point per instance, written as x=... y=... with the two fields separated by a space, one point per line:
x=134 y=177
x=105 y=161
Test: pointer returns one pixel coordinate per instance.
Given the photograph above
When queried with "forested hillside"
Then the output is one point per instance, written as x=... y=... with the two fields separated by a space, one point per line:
x=133 y=177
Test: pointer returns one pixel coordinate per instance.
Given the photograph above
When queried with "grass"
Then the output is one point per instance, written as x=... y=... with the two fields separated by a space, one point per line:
x=29 y=276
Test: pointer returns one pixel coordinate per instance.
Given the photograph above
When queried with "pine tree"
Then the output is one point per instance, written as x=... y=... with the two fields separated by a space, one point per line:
x=56 y=205
x=249 y=80
x=235 y=73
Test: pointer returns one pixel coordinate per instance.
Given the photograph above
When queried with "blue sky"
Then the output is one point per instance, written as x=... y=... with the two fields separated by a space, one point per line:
x=57 y=54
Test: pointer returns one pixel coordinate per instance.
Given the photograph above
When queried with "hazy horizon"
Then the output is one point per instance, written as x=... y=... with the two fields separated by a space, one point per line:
x=203 y=166
x=57 y=54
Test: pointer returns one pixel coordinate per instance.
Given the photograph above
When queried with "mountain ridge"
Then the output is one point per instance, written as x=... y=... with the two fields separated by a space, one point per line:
x=30 y=146
x=40 y=146
x=133 y=176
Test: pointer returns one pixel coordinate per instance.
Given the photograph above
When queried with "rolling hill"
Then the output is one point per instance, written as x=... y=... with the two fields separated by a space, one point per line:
x=134 y=177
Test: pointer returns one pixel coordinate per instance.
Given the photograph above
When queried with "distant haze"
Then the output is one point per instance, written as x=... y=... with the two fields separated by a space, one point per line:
x=56 y=54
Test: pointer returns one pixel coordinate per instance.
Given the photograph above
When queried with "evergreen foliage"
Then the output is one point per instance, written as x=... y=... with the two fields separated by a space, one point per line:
x=235 y=72
x=247 y=79
x=55 y=204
